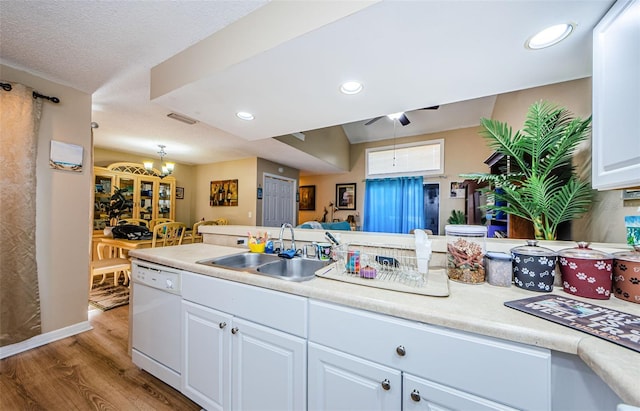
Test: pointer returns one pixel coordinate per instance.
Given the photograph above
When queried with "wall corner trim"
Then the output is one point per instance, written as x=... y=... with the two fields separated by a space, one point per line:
x=43 y=339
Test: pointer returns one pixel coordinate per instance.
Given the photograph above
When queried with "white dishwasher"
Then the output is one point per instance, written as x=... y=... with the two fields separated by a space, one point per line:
x=156 y=321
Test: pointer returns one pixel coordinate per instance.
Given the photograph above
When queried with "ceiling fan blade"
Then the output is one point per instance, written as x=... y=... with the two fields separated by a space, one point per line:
x=430 y=108
x=403 y=119
x=373 y=120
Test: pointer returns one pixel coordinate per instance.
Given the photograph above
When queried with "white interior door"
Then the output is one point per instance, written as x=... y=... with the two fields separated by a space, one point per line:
x=278 y=201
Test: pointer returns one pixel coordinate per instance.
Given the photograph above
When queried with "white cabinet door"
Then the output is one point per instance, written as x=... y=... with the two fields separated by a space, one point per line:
x=206 y=376
x=342 y=382
x=616 y=98
x=423 y=395
x=268 y=367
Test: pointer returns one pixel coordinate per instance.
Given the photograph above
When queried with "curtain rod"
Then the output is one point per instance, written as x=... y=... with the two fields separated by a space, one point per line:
x=7 y=87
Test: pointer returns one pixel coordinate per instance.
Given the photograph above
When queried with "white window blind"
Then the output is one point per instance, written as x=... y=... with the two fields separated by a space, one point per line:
x=423 y=158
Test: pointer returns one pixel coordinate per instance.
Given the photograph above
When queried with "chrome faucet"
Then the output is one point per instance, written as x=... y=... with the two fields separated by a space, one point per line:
x=293 y=240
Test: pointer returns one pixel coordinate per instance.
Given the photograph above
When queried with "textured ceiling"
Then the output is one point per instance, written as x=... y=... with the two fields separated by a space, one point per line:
x=409 y=54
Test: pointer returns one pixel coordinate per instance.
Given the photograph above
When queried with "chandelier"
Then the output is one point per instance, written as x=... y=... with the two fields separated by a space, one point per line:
x=167 y=168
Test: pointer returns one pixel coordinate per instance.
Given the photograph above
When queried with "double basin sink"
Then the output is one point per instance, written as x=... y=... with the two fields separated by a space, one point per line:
x=291 y=269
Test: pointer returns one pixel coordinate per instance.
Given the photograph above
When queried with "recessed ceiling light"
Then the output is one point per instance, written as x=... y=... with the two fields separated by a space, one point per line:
x=549 y=36
x=351 y=87
x=244 y=115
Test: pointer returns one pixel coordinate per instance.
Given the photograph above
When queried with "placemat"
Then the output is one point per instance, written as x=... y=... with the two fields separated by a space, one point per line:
x=437 y=284
x=612 y=325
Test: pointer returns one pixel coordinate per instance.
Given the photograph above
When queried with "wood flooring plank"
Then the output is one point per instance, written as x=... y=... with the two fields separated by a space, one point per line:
x=88 y=371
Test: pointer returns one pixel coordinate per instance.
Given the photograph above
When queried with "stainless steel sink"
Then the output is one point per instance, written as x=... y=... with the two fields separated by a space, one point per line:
x=294 y=269
x=244 y=260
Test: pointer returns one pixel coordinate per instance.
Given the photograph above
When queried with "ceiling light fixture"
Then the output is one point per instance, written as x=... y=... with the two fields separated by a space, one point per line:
x=549 y=36
x=243 y=115
x=167 y=168
x=182 y=118
x=351 y=87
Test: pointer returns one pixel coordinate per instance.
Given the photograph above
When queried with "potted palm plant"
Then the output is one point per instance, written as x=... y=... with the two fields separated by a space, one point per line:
x=543 y=187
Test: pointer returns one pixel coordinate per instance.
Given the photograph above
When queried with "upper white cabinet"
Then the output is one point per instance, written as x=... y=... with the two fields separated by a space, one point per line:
x=616 y=98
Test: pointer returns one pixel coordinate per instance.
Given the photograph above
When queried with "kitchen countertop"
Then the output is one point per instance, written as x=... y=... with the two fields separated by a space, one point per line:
x=474 y=308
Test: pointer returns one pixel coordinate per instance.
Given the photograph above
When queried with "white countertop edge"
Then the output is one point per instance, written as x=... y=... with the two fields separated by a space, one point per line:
x=472 y=308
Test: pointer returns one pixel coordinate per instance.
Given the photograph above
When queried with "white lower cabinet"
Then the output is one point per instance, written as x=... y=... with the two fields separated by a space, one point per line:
x=437 y=368
x=231 y=362
x=342 y=382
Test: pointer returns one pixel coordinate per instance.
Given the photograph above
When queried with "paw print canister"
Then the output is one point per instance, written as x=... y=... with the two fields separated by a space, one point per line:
x=626 y=275
x=534 y=267
x=586 y=272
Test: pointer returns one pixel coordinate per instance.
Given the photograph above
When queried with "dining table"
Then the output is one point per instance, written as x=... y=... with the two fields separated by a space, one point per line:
x=125 y=245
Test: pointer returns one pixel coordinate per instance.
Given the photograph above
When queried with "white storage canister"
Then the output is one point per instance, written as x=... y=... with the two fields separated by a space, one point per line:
x=499 y=269
x=466 y=245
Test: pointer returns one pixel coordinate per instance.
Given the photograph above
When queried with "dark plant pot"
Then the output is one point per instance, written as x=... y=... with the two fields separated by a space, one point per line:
x=534 y=267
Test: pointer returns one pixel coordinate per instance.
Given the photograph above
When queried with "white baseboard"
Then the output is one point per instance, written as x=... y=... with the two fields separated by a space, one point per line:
x=42 y=339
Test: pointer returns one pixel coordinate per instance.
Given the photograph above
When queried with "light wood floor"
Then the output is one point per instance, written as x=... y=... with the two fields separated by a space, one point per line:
x=89 y=371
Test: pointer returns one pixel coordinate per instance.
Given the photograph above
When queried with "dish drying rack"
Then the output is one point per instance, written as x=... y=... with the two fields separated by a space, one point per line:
x=396 y=268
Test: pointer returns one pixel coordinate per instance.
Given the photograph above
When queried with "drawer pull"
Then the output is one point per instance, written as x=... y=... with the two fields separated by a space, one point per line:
x=234 y=330
x=386 y=385
x=401 y=351
x=222 y=325
x=415 y=395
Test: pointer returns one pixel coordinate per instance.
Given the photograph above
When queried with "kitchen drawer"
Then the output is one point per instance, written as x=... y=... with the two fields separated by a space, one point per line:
x=284 y=312
x=484 y=366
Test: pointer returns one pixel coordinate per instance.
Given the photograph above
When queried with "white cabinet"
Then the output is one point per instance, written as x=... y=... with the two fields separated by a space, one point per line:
x=457 y=366
x=616 y=98
x=339 y=381
x=240 y=351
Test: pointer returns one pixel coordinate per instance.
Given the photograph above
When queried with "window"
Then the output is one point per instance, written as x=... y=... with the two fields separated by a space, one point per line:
x=423 y=158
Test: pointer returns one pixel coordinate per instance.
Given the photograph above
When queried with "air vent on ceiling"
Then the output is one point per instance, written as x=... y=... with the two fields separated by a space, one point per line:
x=182 y=118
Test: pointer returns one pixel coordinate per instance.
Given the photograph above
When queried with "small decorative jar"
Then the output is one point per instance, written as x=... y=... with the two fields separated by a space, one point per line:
x=586 y=272
x=466 y=246
x=626 y=275
x=498 y=268
x=534 y=267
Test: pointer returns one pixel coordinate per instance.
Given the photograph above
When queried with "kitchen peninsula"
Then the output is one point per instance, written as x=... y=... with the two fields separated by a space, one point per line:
x=471 y=313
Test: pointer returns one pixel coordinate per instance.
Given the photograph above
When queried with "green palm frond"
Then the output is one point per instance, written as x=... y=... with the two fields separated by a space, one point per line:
x=546 y=190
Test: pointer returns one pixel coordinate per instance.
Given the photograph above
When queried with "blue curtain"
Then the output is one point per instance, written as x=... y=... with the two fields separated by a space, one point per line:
x=393 y=205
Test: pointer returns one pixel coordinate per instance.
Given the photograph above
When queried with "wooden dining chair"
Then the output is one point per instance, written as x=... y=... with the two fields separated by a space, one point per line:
x=194 y=236
x=108 y=262
x=167 y=234
x=152 y=223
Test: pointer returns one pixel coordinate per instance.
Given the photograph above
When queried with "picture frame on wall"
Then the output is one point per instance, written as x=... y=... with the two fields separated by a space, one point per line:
x=346 y=196
x=307 y=198
x=223 y=193
x=457 y=190
x=180 y=193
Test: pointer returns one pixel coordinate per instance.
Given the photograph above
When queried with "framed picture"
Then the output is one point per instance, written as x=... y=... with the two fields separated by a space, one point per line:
x=223 y=193
x=180 y=193
x=307 y=198
x=457 y=190
x=65 y=156
x=346 y=196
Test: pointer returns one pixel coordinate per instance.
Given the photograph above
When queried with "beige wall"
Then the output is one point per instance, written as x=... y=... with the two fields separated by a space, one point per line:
x=184 y=175
x=329 y=144
x=63 y=222
x=464 y=151
x=244 y=171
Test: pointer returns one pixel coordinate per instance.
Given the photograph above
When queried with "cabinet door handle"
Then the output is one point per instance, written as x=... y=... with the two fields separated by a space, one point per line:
x=222 y=324
x=386 y=385
x=234 y=330
x=415 y=395
x=401 y=351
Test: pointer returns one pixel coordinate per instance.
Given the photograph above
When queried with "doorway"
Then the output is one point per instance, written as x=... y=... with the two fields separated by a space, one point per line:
x=278 y=202
x=431 y=193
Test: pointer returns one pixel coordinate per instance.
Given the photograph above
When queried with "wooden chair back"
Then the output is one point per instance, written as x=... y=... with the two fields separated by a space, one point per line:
x=222 y=221
x=167 y=234
x=108 y=262
x=152 y=223
x=196 y=237
x=134 y=221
